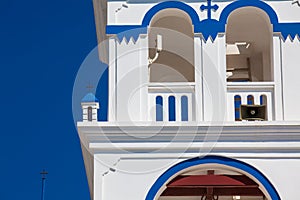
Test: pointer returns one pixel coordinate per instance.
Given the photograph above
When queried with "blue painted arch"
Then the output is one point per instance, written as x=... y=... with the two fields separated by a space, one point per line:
x=207 y=27
x=248 y=3
x=212 y=160
x=170 y=4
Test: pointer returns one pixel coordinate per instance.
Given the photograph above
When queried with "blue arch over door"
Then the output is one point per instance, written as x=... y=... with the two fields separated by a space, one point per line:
x=212 y=160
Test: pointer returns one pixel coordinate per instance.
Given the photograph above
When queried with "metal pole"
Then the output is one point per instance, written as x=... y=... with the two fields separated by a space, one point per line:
x=43 y=173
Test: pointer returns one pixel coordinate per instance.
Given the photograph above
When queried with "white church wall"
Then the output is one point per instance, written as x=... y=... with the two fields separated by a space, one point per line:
x=133 y=178
x=214 y=79
x=283 y=174
x=131 y=79
x=134 y=175
x=291 y=80
x=199 y=110
x=277 y=70
x=112 y=80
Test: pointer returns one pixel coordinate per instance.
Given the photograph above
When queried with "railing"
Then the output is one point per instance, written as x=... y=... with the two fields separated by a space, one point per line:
x=171 y=101
x=249 y=93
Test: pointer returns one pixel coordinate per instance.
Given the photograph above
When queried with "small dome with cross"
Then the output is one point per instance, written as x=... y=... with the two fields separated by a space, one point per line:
x=90 y=97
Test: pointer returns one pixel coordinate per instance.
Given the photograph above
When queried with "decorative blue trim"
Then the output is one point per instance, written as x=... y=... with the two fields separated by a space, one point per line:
x=244 y=3
x=287 y=29
x=125 y=30
x=208 y=27
x=212 y=160
x=171 y=4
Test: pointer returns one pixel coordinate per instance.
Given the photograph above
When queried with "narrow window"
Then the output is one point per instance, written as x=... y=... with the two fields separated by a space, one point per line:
x=184 y=108
x=237 y=107
x=159 y=108
x=172 y=108
x=90 y=114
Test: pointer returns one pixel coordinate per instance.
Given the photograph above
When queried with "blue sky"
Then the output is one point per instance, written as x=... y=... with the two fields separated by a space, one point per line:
x=42 y=45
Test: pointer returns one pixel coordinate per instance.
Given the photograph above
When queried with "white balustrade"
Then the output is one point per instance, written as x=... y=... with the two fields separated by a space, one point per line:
x=176 y=90
x=257 y=90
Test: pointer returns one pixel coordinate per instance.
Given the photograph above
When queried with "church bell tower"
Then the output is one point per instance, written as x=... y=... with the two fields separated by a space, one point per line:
x=203 y=101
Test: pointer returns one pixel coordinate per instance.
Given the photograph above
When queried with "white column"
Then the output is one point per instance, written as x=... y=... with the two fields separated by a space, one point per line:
x=214 y=79
x=177 y=107
x=230 y=107
x=144 y=77
x=112 y=80
x=165 y=107
x=98 y=180
x=198 y=80
x=277 y=69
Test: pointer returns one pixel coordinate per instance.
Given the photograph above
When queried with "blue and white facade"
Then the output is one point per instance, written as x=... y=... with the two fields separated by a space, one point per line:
x=178 y=73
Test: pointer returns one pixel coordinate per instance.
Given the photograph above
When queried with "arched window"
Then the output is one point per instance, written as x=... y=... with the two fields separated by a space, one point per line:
x=249 y=42
x=90 y=114
x=175 y=63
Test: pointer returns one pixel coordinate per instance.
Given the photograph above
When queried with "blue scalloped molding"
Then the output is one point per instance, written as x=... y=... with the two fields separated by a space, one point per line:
x=162 y=180
x=207 y=27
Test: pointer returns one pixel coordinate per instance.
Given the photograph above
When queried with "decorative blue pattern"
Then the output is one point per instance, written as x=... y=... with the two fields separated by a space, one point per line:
x=212 y=160
x=208 y=27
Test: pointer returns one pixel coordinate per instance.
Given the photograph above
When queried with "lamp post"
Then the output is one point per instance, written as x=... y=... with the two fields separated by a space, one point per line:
x=43 y=173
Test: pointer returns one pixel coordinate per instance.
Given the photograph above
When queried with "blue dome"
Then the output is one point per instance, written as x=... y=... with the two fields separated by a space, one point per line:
x=90 y=97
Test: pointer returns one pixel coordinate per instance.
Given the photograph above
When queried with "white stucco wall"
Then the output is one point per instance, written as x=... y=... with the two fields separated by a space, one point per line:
x=134 y=176
x=131 y=78
x=291 y=80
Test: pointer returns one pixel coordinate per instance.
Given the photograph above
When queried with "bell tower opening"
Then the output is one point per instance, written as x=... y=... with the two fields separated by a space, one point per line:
x=175 y=61
x=249 y=46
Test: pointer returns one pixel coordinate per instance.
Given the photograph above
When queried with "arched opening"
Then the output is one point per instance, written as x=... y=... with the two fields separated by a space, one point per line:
x=212 y=178
x=175 y=62
x=249 y=43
